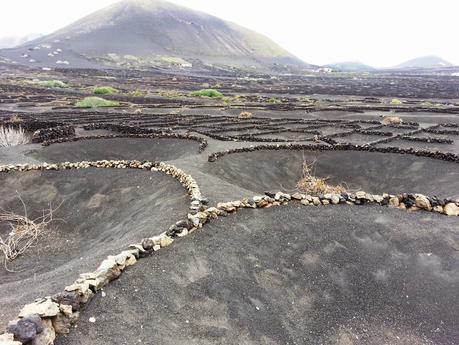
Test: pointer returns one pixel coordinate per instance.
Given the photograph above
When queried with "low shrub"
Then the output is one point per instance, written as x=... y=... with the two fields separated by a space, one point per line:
x=396 y=101
x=315 y=185
x=24 y=232
x=53 y=84
x=136 y=93
x=245 y=115
x=207 y=93
x=104 y=90
x=15 y=119
x=391 y=120
x=274 y=100
x=170 y=93
x=307 y=100
x=10 y=136
x=95 y=102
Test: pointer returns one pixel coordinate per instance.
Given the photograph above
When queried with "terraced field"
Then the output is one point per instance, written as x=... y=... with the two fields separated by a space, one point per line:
x=178 y=221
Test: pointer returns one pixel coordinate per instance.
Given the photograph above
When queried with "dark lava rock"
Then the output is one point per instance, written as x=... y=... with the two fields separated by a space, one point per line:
x=26 y=329
x=68 y=298
x=148 y=244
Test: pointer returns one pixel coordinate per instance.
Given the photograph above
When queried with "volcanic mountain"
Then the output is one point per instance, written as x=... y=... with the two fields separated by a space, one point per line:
x=350 y=66
x=151 y=32
x=429 y=61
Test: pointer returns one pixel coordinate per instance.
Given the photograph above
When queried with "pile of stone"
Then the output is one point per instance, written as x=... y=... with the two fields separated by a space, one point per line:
x=29 y=124
x=188 y=182
x=136 y=132
x=411 y=202
x=443 y=131
x=445 y=156
x=53 y=133
x=38 y=323
x=428 y=139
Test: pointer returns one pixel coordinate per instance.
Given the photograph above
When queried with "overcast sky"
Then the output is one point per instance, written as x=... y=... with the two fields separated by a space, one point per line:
x=377 y=32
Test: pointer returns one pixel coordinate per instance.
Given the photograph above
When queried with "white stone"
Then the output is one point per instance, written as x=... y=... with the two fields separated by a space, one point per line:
x=360 y=195
x=422 y=202
x=44 y=307
x=8 y=339
x=451 y=209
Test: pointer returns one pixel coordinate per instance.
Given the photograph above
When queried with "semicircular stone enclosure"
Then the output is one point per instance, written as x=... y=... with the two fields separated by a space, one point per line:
x=282 y=213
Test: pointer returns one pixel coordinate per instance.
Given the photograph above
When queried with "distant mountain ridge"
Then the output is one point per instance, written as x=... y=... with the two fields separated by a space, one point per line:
x=149 y=31
x=429 y=61
x=423 y=62
x=350 y=66
x=13 y=41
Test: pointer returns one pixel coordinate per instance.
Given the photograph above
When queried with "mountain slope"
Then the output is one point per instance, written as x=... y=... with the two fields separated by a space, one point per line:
x=13 y=41
x=144 y=31
x=429 y=61
x=350 y=66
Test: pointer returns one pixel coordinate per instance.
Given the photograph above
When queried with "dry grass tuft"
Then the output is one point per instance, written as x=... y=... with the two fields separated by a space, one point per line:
x=391 y=120
x=245 y=115
x=24 y=232
x=10 y=136
x=315 y=185
x=15 y=119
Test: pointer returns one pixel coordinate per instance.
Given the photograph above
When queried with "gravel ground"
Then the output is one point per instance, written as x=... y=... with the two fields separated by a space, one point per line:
x=290 y=275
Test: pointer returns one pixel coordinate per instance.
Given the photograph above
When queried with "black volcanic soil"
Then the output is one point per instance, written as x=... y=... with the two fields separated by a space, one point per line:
x=290 y=275
x=315 y=275
x=117 y=148
x=369 y=171
x=102 y=211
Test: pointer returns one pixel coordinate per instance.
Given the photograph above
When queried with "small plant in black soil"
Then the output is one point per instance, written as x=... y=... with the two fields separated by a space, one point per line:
x=24 y=232
x=245 y=115
x=104 y=90
x=53 y=84
x=316 y=185
x=207 y=93
x=274 y=100
x=95 y=102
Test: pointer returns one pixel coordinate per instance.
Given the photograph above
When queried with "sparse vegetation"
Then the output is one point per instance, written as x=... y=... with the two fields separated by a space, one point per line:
x=170 y=93
x=245 y=115
x=391 y=120
x=95 y=102
x=315 y=185
x=53 y=84
x=10 y=136
x=396 y=101
x=24 y=232
x=15 y=119
x=104 y=90
x=307 y=100
x=212 y=93
x=274 y=100
x=136 y=93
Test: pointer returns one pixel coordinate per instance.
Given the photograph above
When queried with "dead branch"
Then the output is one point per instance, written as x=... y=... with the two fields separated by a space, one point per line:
x=24 y=232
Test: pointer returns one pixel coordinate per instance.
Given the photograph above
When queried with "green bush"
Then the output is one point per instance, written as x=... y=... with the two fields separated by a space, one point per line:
x=207 y=93
x=53 y=84
x=274 y=100
x=94 y=102
x=307 y=100
x=104 y=90
x=396 y=101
